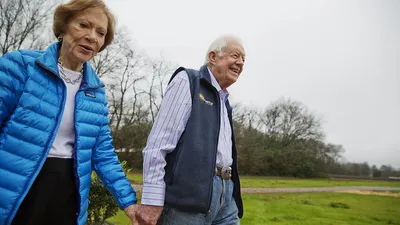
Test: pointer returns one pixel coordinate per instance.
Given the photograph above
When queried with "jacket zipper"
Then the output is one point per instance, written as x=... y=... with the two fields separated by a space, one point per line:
x=77 y=181
x=76 y=137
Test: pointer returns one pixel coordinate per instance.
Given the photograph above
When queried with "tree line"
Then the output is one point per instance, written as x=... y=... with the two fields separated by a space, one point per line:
x=284 y=139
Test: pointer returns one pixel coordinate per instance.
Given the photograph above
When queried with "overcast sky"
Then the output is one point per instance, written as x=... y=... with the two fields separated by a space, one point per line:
x=340 y=58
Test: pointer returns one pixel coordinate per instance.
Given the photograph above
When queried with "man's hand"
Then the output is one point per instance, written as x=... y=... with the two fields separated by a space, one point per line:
x=130 y=211
x=148 y=214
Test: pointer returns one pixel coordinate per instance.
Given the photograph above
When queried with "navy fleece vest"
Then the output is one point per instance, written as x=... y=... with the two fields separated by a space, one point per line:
x=191 y=166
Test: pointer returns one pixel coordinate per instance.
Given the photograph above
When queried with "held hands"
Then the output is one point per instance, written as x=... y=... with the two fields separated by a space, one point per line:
x=144 y=214
x=130 y=211
x=148 y=214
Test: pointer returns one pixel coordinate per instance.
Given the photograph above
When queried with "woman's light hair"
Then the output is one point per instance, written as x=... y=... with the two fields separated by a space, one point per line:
x=219 y=44
x=65 y=12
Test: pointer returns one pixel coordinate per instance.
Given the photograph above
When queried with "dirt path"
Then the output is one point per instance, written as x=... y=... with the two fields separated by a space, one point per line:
x=138 y=188
x=316 y=189
x=379 y=193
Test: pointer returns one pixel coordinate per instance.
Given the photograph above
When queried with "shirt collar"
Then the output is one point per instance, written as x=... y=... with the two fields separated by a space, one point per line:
x=223 y=93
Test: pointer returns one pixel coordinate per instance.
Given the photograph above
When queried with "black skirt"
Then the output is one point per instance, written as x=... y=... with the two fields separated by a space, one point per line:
x=53 y=197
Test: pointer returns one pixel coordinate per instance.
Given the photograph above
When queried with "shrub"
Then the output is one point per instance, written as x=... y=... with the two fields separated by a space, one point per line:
x=102 y=204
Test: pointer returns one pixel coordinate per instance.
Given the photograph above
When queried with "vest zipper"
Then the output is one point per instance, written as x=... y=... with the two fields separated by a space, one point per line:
x=215 y=152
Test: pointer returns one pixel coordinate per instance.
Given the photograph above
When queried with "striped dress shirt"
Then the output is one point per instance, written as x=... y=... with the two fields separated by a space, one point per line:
x=169 y=125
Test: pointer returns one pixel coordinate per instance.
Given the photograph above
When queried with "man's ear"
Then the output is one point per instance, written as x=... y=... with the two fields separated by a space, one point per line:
x=212 y=57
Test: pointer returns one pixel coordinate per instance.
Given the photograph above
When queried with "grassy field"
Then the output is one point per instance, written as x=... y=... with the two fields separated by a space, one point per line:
x=321 y=209
x=136 y=178
x=274 y=182
x=313 y=208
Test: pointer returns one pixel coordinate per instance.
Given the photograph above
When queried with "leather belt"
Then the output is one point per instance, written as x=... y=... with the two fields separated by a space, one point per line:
x=224 y=172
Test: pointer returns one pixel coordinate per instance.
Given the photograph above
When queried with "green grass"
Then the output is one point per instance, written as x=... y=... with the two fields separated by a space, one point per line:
x=321 y=209
x=120 y=219
x=274 y=182
x=135 y=177
x=313 y=208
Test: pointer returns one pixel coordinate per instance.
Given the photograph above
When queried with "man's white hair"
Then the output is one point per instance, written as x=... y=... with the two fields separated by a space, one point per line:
x=219 y=44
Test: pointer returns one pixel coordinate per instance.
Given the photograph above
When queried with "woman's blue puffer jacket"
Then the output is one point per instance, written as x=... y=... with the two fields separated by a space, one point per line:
x=32 y=99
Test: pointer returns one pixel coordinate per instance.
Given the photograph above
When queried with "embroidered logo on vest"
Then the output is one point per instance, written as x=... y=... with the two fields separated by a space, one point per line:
x=201 y=96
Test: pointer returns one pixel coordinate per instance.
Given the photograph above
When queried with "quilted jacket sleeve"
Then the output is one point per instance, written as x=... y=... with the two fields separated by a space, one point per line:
x=106 y=164
x=12 y=80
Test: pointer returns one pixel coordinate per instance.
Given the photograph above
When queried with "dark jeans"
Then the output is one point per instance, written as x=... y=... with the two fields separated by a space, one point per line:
x=53 y=197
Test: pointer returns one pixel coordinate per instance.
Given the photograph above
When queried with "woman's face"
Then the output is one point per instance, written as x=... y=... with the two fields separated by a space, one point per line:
x=84 y=36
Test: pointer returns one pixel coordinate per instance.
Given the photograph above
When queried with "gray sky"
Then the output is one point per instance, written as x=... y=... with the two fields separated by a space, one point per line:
x=340 y=58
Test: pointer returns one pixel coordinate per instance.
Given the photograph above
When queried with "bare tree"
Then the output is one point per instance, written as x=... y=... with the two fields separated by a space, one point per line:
x=247 y=117
x=122 y=67
x=130 y=76
x=126 y=80
x=135 y=87
x=289 y=120
x=157 y=82
x=23 y=23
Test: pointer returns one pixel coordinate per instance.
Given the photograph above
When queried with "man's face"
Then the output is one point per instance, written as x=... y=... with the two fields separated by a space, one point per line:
x=228 y=64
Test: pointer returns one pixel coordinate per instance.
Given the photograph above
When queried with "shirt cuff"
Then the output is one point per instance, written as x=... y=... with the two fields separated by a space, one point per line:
x=153 y=194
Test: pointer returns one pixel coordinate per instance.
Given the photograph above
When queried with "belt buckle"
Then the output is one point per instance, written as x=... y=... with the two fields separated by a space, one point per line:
x=226 y=172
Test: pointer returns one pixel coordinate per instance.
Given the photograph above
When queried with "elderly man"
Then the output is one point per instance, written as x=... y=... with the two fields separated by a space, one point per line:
x=190 y=161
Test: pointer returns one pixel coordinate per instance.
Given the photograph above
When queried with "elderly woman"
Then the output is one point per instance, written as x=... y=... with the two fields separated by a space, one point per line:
x=54 y=126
